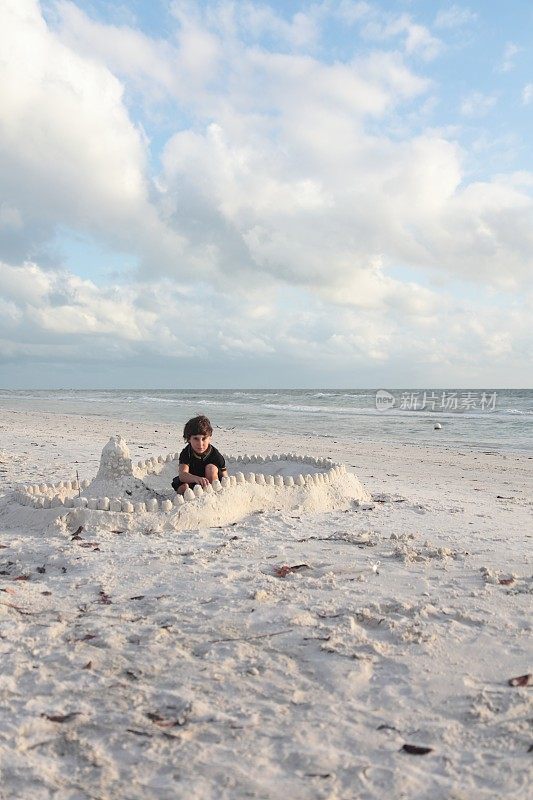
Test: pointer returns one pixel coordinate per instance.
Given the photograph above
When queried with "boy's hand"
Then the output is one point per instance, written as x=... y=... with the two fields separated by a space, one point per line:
x=202 y=481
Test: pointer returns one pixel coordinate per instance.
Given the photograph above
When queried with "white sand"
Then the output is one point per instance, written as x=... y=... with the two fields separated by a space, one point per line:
x=165 y=665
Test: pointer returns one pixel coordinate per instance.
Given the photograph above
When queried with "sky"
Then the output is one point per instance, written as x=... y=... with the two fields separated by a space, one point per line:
x=283 y=194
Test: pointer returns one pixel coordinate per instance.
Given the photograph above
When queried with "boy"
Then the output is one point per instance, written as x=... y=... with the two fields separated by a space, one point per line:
x=199 y=461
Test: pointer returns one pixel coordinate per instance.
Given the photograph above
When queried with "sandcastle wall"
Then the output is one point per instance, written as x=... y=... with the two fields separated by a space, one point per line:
x=256 y=483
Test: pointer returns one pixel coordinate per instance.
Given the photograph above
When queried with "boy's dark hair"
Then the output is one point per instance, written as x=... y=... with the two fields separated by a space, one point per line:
x=197 y=426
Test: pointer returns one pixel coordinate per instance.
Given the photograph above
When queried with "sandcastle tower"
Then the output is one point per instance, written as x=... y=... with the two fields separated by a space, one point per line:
x=115 y=461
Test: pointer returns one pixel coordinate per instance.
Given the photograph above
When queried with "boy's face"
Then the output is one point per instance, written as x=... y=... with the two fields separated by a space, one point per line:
x=200 y=443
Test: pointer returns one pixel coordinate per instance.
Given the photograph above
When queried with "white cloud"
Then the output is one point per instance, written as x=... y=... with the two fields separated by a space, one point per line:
x=309 y=214
x=59 y=303
x=127 y=52
x=218 y=56
x=381 y=26
x=477 y=104
x=63 y=317
x=418 y=40
x=261 y=20
x=285 y=176
x=508 y=59
x=527 y=94
x=351 y=11
x=454 y=17
x=390 y=71
x=486 y=232
x=69 y=153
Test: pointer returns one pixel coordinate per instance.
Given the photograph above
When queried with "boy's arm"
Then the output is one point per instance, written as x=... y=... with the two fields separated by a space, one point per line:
x=188 y=477
x=222 y=469
x=185 y=475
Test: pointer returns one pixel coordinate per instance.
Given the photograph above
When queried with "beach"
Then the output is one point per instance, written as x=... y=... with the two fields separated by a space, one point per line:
x=172 y=664
x=311 y=223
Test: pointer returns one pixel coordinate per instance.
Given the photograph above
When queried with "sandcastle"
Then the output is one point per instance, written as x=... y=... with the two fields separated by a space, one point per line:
x=139 y=492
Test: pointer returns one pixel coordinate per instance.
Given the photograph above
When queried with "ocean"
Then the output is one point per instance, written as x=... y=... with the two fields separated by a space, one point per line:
x=498 y=419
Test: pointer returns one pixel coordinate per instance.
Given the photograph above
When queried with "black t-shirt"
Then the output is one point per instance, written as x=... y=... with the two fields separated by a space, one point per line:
x=197 y=464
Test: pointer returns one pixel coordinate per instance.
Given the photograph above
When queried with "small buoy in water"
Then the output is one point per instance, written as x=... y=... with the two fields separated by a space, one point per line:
x=437 y=426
